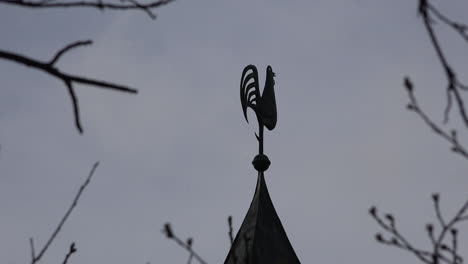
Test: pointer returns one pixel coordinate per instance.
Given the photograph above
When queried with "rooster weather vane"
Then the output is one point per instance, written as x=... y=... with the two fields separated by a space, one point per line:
x=264 y=107
x=261 y=237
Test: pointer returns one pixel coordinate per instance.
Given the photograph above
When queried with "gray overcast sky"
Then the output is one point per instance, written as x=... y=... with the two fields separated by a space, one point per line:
x=181 y=151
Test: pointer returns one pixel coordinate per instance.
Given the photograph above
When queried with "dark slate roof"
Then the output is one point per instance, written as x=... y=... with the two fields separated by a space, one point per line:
x=261 y=238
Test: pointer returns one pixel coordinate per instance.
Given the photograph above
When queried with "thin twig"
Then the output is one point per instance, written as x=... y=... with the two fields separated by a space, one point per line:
x=454 y=246
x=142 y=7
x=190 y=243
x=458 y=27
x=435 y=199
x=449 y=226
x=71 y=251
x=450 y=137
x=170 y=234
x=231 y=237
x=67 y=48
x=76 y=109
x=33 y=251
x=100 y=5
x=452 y=81
x=190 y=258
x=36 y=258
x=439 y=247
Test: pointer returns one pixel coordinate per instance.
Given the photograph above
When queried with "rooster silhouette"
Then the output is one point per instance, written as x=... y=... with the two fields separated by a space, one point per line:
x=264 y=106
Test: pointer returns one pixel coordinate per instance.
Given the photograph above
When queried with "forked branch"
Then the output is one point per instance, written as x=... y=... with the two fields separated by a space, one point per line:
x=454 y=87
x=449 y=136
x=71 y=251
x=68 y=79
x=185 y=245
x=429 y=14
x=36 y=258
x=444 y=240
x=98 y=4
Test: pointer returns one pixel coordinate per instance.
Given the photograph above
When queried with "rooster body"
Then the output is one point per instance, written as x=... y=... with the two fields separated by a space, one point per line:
x=265 y=105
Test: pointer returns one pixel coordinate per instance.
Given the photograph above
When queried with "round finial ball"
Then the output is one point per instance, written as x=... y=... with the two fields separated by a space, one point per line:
x=261 y=162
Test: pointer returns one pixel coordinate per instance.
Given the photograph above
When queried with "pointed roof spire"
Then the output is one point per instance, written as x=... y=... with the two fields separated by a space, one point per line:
x=261 y=238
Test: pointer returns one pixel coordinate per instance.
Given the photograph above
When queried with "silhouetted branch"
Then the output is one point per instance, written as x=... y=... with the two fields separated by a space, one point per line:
x=185 y=245
x=231 y=237
x=70 y=252
x=67 y=48
x=425 y=9
x=189 y=244
x=454 y=85
x=190 y=258
x=35 y=258
x=440 y=251
x=33 y=251
x=68 y=79
x=450 y=137
x=444 y=247
x=460 y=28
x=99 y=4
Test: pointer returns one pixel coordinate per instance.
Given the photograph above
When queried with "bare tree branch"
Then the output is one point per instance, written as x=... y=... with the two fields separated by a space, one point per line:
x=460 y=28
x=450 y=137
x=189 y=243
x=440 y=248
x=444 y=247
x=71 y=251
x=453 y=83
x=36 y=258
x=67 y=48
x=187 y=246
x=430 y=14
x=33 y=251
x=67 y=78
x=231 y=237
x=76 y=110
x=101 y=5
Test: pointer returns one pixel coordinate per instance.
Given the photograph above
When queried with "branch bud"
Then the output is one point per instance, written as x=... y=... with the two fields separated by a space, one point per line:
x=379 y=238
x=408 y=84
x=168 y=230
x=189 y=242
x=453 y=231
x=72 y=248
x=454 y=134
x=373 y=211
x=429 y=228
x=390 y=218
